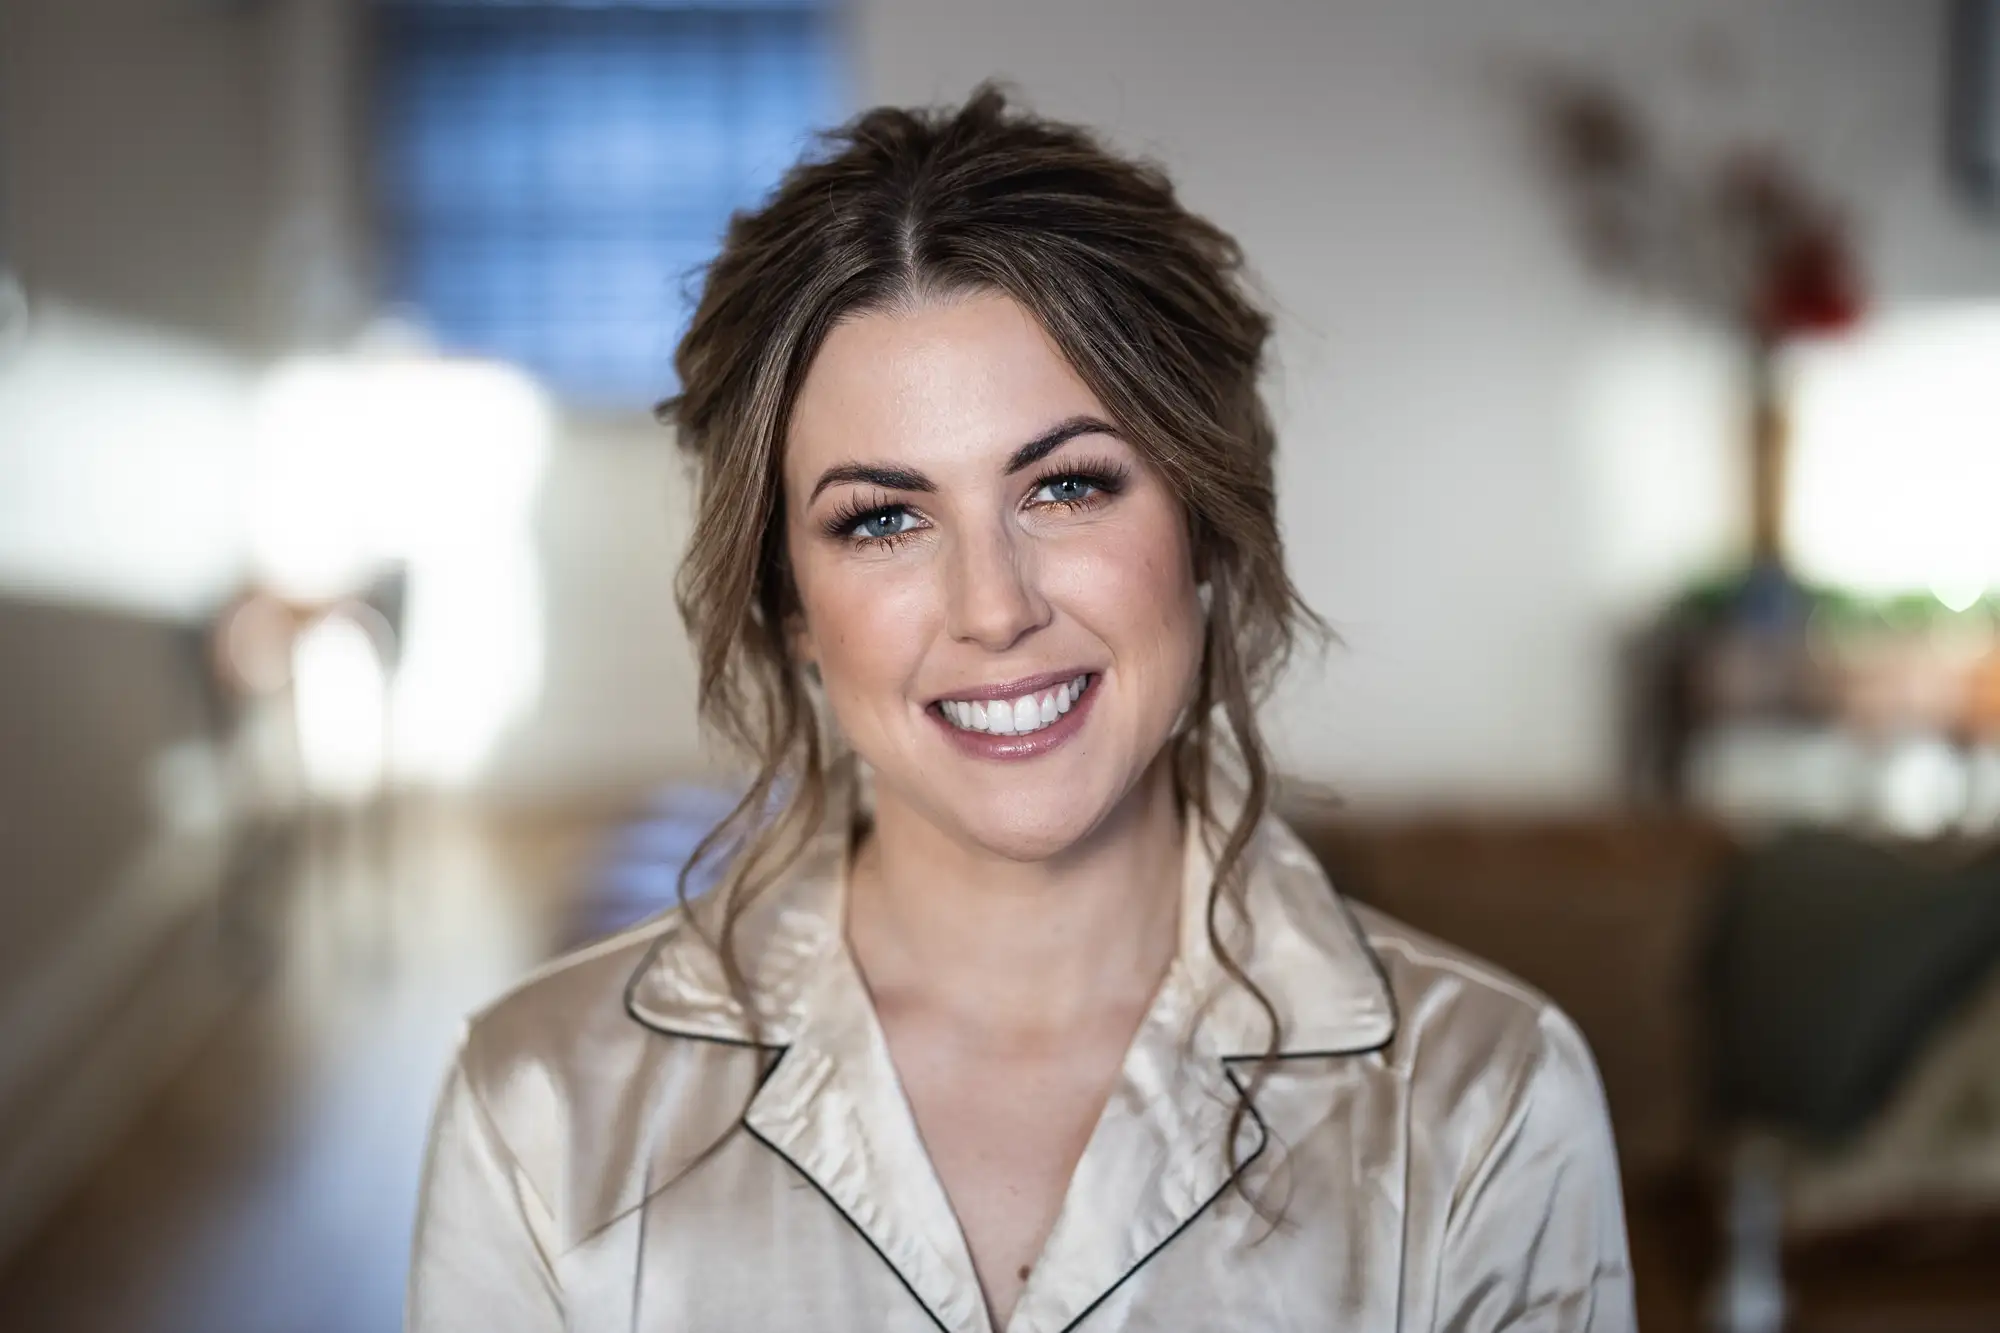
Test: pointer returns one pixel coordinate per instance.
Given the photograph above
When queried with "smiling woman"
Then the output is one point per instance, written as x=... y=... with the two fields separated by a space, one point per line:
x=987 y=557
x=1059 y=1025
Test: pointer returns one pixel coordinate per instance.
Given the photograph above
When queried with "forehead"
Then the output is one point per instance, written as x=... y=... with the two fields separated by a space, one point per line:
x=959 y=378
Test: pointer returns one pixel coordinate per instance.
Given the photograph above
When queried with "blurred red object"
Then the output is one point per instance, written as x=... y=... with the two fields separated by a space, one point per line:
x=1809 y=287
x=1743 y=238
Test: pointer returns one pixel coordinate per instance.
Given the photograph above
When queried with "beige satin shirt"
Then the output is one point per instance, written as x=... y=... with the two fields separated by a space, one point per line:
x=1435 y=1135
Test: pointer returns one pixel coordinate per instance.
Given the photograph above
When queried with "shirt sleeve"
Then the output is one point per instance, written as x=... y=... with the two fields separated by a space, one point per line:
x=477 y=1264
x=1536 y=1241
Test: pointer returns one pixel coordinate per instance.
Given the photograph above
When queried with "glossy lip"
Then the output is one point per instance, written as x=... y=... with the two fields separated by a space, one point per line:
x=981 y=745
x=1011 y=690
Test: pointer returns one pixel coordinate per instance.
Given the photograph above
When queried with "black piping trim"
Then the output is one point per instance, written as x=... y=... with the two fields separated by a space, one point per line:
x=639 y=1245
x=834 y=1203
x=1263 y=1128
x=1329 y=1053
x=1263 y=1141
x=632 y=1011
x=1388 y=993
x=1381 y=972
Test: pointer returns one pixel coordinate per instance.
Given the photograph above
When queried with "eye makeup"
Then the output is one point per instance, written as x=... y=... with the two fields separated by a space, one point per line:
x=1101 y=478
x=854 y=512
x=1105 y=477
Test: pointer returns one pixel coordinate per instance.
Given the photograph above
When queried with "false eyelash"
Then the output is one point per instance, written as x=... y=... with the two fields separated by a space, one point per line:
x=841 y=522
x=1107 y=475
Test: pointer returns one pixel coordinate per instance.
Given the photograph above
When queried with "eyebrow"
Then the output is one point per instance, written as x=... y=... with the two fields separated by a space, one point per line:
x=904 y=479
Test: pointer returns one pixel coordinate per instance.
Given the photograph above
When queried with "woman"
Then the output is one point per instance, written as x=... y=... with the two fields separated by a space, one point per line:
x=1046 y=1024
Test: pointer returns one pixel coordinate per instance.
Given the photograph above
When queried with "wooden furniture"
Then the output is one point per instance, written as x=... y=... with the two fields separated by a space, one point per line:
x=1614 y=918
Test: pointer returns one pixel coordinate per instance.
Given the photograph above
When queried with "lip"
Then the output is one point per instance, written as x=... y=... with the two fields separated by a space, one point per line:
x=1011 y=690
x=984 y=745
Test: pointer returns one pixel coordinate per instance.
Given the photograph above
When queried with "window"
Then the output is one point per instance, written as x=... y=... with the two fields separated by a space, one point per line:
x=553 y=175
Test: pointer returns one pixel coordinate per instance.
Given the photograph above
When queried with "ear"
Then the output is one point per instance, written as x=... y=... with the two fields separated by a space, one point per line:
x=1200 y=550
x=799 y=638
x=1204 y=565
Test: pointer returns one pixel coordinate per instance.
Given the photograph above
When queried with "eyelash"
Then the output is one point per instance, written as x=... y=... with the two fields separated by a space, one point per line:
x=1105 y=478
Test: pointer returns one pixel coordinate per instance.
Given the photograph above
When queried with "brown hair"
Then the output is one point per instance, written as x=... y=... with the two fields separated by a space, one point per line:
x=1144 y=299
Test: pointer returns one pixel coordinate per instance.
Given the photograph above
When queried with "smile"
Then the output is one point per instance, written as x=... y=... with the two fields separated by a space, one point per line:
x=1015 y=717
x=1019 y=725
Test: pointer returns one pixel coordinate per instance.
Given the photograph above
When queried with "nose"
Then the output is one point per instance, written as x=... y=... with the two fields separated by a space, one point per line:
x=993 y=598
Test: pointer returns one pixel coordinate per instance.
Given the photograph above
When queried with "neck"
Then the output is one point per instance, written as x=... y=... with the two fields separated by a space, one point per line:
x=1031 y=946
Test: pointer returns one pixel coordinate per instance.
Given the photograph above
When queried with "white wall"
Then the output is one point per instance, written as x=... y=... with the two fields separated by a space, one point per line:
x=618 y=677
x=123 y=454
x=1487 y=459
x=134 y=159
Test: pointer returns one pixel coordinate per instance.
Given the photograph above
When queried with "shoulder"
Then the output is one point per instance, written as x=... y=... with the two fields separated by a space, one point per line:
x=591 y=1106
x=1511 y=1142
x=1442 y=990
x=1481 y=1049
x=1455 y=1028
x=541 y=1027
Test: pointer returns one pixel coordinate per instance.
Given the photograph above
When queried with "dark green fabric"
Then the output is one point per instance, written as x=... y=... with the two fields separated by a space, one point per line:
x=1834 y=960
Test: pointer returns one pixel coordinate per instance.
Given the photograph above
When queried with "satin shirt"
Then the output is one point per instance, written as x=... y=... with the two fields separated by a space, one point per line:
x=1430 y=1150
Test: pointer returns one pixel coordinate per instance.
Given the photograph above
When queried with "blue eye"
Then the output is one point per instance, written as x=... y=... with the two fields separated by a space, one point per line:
x=1066 y=490
x=884 y=523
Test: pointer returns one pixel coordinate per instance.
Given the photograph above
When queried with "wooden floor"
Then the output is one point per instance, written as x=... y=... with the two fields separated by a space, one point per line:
x=271 y=1189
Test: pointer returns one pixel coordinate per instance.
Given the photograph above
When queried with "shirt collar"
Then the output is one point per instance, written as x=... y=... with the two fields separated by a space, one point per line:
x=1297 y=942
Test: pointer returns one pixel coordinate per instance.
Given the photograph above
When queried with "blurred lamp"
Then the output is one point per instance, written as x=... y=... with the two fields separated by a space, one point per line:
x=342 y=708
x=1896 y=461
x=370 y=461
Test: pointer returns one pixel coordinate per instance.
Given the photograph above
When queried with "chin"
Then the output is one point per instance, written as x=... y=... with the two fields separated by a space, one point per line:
x=1038 y=830
x=1026 y=816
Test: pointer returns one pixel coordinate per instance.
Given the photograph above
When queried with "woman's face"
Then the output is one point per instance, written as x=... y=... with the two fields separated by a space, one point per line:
x=997 y=589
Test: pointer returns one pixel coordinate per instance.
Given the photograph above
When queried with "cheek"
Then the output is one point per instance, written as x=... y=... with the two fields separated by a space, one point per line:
x=1133 y=583
x=868 y=623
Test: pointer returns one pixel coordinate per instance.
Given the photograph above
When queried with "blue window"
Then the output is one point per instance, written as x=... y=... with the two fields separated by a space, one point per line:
x=552 y=176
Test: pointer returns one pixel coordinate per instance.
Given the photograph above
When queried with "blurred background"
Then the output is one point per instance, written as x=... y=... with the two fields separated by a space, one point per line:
x=1638 y=377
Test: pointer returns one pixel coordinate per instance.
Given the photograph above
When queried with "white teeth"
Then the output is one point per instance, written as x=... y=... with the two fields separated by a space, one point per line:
x=1002 y=717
